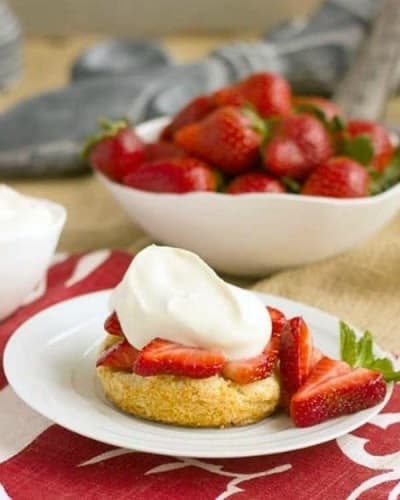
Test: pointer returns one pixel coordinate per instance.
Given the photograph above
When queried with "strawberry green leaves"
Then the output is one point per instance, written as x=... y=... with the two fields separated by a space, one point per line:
x=359 y=148
x=381 y=181
x=359 y=353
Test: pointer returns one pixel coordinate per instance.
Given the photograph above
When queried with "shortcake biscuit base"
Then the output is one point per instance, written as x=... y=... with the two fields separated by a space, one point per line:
x=209 y=402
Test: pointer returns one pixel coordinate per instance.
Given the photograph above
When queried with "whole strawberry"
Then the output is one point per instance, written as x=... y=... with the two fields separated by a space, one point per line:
x=174 y=175
x=382 y=147
x=195 y=110
x=339 y=177
x=116 y=150
x=162 y=149
x=255 y=182
x=269 y=94
x=228 y=138
x=315 y=103
x=298 y=145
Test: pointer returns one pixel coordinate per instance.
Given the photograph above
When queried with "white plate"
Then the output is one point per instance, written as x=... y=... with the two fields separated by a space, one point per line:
x=50 y=364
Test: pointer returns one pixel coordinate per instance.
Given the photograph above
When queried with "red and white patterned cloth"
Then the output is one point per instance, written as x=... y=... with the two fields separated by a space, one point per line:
x=40 y=460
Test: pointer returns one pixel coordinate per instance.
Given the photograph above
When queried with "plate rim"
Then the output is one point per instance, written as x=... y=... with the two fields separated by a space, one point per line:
x=17 y=386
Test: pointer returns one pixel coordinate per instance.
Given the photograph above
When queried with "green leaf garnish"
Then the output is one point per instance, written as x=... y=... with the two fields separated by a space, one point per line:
x=359 y=353
x=359 y=148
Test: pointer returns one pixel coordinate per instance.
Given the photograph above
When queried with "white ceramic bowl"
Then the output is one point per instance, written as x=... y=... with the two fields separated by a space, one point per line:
x=24 y=259
x=256 y=233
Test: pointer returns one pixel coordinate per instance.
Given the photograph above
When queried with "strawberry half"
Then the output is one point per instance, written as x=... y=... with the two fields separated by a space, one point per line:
x=163 y=357
x=249 y=370
x=120 y=356
x=113 y=326
x=334 y=389
x=296 y=355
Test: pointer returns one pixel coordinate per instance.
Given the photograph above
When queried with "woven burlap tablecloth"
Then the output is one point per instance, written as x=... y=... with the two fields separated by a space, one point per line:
x=362 y=286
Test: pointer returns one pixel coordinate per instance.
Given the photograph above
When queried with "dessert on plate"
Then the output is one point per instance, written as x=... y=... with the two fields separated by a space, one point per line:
x=184 y=347
x=195 y=350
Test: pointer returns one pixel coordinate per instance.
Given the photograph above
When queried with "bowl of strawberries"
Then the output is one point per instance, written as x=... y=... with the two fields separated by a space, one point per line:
x=252 y=178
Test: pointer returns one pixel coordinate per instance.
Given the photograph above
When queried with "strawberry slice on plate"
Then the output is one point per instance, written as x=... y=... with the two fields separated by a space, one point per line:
x=296 y=355
x=120 y=356
x=164 y=357
x=278 y=319
x=334 y=389
x=249 y=370
x=113 y=326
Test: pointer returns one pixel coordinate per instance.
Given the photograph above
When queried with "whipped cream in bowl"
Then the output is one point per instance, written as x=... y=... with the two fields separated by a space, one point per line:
x=29 y=232
x=171 y=293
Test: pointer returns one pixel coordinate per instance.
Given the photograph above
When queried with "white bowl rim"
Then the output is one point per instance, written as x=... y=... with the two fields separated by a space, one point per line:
x=158 y=123
x=58 y=218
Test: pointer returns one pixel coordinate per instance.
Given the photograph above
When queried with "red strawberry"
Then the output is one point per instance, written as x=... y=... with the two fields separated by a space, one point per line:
x=161 y=150
x=249 y=370
x=268 y=93
x=299 y=144
x=116 y=151
x=382 y=146
x=163 y=357
x=334 y=389
x=310 y=103
x=194 y=111
x=113 y=326
x=278 y=319
x=174 y=175
x=255 y=182
x=295 y=353
x=228 y=138
x=120 y=356
x=339 y=177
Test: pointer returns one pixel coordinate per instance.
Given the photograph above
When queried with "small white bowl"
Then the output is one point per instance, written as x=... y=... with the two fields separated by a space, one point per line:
x=24 y=259
x=256 y=233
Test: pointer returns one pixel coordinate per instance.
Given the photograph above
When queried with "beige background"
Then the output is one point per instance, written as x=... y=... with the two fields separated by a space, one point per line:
x=154 y=17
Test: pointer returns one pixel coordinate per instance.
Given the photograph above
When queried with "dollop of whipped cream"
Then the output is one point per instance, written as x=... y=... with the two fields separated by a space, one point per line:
x=20 y=214
x=173 y=294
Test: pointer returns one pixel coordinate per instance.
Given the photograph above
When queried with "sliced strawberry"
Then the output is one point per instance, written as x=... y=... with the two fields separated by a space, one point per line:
x=113 y=326
x=120 y=356
x=278 y=319
x=249 y=370
x=295 y=355
x=163 y=357
x=316 y=356
x=334 y=389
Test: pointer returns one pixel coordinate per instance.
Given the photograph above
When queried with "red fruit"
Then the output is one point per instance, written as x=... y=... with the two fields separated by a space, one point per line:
x=249 y=370
x=116 y=151
x=381 y=143
x=295 y=354
x=255 y=183
x=163 y=357
x=161 y=150
x=298 y=146
x=113 y=326
x=227 y=138
x=316 y=356
x=339 y=177
x=334 y=389
x=174 y=175
x=194 y=111
x=325 y=106
x=278 y=319
x=120 y=356
x=269 y=94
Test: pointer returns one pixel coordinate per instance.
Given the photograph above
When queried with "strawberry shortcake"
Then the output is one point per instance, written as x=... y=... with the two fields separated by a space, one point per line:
x=185 y=347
